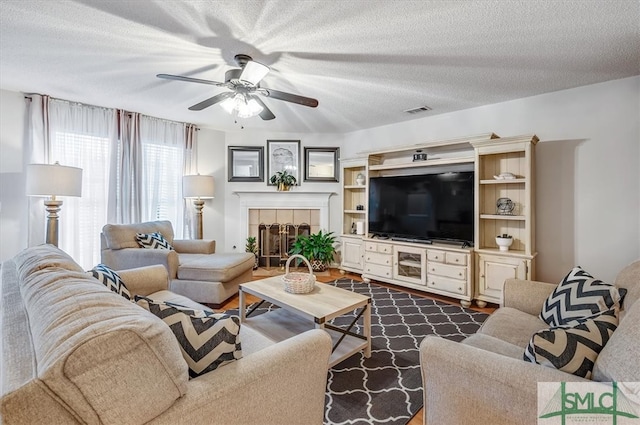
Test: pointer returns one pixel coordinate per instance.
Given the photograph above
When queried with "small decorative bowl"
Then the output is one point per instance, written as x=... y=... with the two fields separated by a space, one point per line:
x=504 y=243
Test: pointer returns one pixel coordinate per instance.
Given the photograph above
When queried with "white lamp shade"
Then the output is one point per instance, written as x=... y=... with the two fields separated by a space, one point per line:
x=198 y=187
x=53 y=180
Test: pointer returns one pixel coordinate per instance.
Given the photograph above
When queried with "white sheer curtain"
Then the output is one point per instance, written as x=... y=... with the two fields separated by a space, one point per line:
x=132 y=170
x=163 y=151
x=83 y=136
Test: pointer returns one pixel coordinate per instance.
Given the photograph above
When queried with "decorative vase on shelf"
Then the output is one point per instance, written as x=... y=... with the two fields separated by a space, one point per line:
x=360 y=179
x=504 y=242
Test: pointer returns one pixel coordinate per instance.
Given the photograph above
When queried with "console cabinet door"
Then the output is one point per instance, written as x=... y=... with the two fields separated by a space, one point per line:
x=410 y=264
x=352 y=253
x=493 y=271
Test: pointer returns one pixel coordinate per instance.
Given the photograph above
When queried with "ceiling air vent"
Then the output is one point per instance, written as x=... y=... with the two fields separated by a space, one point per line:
x=418 y=110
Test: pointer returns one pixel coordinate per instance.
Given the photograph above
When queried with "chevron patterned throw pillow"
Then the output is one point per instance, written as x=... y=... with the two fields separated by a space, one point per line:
x=111 y=280
x=207 y=340
x=153 y=240
x=578 y=296
x=574 y=347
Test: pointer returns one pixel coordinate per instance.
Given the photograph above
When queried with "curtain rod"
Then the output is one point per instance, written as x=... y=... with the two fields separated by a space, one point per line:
x=28 y=96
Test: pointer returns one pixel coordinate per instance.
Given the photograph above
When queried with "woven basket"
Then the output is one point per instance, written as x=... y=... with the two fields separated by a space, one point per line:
x=298 y=283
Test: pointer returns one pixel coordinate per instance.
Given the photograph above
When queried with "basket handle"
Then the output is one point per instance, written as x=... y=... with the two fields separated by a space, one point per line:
x=299 y=256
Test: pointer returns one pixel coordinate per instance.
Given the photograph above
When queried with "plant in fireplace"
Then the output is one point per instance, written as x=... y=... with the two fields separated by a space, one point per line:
x=318 y=248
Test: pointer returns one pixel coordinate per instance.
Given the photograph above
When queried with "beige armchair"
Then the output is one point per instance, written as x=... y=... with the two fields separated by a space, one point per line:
x=195 y=269
x=484 y=379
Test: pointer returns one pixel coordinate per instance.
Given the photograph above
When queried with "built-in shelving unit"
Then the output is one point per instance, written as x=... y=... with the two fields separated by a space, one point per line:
x=513 y=155
x=467 y=273
x=354 y=194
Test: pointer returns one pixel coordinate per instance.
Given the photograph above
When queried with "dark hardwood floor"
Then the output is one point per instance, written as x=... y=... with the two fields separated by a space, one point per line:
x=334 y=274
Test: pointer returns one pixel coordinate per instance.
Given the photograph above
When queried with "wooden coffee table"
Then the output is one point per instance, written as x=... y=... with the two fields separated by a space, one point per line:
x=301 y=312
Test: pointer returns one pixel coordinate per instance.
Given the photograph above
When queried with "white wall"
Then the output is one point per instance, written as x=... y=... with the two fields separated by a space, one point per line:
x=588 y=168
x=588 y=171
x=211 y=161
x=233 y=241
x=13 y=201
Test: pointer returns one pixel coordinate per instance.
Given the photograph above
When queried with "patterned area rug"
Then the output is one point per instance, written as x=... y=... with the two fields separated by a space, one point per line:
x=387 y=387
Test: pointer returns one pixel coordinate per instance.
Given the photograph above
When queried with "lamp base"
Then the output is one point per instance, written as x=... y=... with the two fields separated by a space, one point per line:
x=199 y=204
x=53 y=208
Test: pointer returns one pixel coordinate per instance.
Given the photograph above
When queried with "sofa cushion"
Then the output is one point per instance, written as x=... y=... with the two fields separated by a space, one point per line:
x=94 y=349
x=573 y=347
x=578 y=296
x=153 y=240
x=512 y=325
x=221 y=267
x=208 y=340
x=495 y=345
x=615 y=362
x=118 y=236
x=111 y=280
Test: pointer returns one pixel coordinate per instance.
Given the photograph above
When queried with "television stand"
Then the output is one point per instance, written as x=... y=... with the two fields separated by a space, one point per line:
x=421 y=264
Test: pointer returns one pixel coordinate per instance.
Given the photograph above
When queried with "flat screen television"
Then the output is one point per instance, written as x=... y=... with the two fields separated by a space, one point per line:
x=429 y=207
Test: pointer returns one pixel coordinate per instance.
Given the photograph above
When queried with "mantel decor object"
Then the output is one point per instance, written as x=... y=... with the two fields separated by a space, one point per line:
x=283 y=180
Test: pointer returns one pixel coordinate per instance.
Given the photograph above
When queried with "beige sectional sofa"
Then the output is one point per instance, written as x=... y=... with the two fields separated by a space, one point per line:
x=195 y=269
x=484 y=379
x=74 y=352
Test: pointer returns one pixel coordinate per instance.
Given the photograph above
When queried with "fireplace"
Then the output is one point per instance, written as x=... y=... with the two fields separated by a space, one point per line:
x=300 y=211
x=275 y=241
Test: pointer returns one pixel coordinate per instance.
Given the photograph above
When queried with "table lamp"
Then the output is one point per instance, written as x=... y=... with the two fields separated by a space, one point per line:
x=50 y=181
x=198 y=187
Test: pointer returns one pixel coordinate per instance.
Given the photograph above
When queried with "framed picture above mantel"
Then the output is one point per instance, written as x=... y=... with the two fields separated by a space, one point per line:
x=283 y=155
x=321 y=164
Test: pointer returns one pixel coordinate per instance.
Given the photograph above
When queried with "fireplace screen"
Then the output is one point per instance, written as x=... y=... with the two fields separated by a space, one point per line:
x=275 y=241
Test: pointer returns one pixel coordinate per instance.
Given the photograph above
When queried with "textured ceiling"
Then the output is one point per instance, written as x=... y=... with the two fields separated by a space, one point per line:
x=365 y=61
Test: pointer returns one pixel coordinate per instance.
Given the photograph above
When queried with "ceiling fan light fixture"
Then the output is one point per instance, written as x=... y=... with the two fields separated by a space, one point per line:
x=245 y=108
x=253 y=72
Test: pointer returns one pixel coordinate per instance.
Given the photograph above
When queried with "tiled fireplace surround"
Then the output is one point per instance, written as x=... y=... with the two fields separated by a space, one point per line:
x=284 y=208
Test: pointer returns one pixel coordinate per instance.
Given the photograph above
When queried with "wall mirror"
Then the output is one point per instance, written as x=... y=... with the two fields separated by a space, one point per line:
x=245 y=163
x=321 y=164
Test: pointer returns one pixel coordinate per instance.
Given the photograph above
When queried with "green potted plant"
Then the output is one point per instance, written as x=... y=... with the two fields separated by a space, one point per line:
x=283 y=180
x=318 y=248
x=252 y=247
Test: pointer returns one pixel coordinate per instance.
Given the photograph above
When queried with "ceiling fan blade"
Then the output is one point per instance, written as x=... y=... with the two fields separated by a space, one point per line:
x=253 y=72
x=289 y=97
x=211 y=101
x=266 y=113
x=189 y=79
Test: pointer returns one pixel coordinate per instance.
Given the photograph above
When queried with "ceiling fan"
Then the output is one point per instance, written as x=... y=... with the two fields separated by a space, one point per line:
x=244 y=97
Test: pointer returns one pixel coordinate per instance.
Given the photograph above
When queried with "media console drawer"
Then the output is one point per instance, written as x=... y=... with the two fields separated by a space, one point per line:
x=446 y=270
x=378 y=247
x=377 y=270
x=446 y=284
x=378 y=258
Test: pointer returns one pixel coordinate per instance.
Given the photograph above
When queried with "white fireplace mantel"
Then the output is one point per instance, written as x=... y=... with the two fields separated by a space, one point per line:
x=275 y=199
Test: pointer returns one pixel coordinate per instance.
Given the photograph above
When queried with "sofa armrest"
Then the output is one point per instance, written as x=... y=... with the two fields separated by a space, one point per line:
x=130 y=258
x=281 y=384
x=145 y=280
x=526 y=295
x=464 y=384
x=194 y=246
